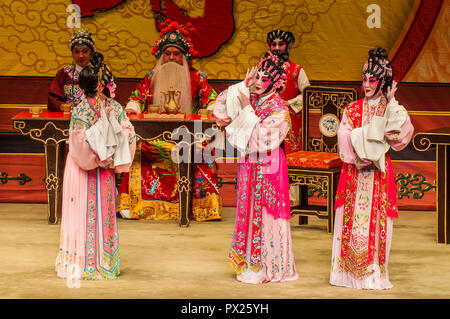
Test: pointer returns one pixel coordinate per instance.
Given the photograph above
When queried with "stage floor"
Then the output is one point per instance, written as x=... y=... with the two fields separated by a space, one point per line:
x=161 y=260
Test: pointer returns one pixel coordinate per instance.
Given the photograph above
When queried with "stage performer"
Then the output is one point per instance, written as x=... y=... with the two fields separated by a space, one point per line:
x=261 y=248
x=64 y=88
x=101 y=143
x=281 y=41
x=149 y=190
x=296 y=82
x=366 y=197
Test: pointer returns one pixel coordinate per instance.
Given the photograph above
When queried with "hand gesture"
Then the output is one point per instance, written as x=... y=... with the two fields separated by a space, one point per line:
x=222 y=123
x=243 y=99
x=391 y=91
x=106 y=163
x=362 y=163
x=250 y=76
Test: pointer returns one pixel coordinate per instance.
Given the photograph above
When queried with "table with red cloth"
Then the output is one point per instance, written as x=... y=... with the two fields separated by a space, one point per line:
x=52 y=129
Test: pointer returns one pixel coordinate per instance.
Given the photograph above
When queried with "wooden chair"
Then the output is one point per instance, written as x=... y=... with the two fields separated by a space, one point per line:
x=319 y=165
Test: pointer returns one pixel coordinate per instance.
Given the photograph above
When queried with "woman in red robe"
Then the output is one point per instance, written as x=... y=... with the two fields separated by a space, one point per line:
x=64 y=88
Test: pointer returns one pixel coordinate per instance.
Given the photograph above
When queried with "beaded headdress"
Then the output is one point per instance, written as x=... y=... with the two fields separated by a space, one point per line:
x=175 y=35
x=82 y=38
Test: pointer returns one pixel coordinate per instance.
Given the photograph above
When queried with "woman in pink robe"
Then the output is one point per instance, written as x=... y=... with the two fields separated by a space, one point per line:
x=89 y=241
x=366 y=197
x=261 y=248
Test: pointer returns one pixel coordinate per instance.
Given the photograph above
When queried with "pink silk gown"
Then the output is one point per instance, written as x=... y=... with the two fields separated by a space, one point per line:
x=261 y=248
x=89 y=241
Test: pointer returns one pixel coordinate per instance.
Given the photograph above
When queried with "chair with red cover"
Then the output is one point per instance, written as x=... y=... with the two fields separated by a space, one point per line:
x=318 y=165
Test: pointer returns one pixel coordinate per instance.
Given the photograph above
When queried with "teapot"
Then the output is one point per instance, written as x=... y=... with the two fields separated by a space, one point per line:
x=170 y=105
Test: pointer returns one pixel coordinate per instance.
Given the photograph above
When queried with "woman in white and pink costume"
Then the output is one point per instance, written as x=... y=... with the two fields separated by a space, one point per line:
x=366 y=202
x=257 y=124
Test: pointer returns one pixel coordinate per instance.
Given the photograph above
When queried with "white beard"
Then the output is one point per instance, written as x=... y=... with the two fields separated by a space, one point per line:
x=171 y=74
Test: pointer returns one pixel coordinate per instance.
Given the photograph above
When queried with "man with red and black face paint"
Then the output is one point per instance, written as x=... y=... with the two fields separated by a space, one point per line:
x=366 y=196
x=280 y=42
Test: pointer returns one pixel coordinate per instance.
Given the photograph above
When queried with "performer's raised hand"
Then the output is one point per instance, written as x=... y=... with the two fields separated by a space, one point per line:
x=391 y=91
x=362 y=163
x=250 y=76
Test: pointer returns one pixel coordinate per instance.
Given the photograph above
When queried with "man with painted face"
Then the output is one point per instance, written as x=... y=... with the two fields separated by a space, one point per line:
x=280 y=42
x=149 y=191
x=261 y=248
x=366 y=196
x=64 y=88
x=101 y=143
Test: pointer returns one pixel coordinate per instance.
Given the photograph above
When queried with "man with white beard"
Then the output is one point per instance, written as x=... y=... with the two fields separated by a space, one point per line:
x=149 y=190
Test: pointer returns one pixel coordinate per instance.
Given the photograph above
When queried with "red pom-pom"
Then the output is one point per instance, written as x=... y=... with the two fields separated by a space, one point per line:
x=193 y=29
x=189 y=24
x=189 y=40
x=163 y=24
x=168 y=21
x=185 y=32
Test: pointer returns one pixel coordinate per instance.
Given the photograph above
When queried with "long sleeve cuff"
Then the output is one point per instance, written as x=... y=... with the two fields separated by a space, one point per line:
x=365 y=148
x=122 y=154
x=397 y=115
x=232 y=103
x=131 y=105
x=375 y=130
x=240 y=129
x=296 y=103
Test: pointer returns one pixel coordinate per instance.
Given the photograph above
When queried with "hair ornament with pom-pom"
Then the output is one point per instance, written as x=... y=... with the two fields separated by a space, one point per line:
x=176 y=35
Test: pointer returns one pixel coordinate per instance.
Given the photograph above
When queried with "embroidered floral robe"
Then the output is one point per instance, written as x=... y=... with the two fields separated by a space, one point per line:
x=64 y=88
x=365 y=205
x=149 y=190
x=292 y=93
x=261 y=248
x=89 y=241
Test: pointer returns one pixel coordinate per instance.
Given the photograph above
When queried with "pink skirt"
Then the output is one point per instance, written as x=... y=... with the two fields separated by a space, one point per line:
x=277 y=256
